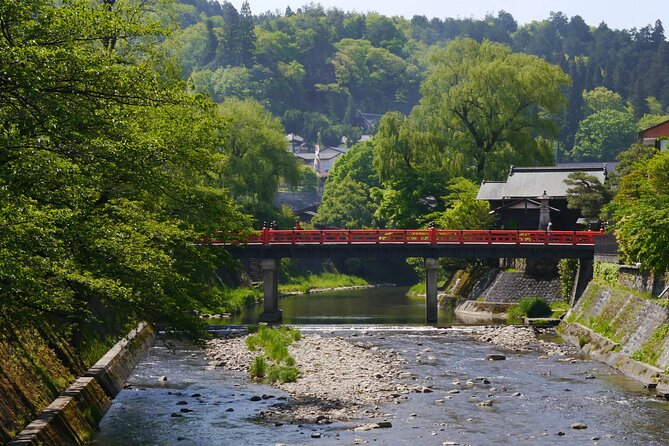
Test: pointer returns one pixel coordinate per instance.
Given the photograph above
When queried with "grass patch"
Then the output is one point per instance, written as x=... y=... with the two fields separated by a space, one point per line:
x=559 y=308
x=417 y=289
x=319 y=281
x=528 y=307
x=274 y=364
x=651 y=349
x=232 y=300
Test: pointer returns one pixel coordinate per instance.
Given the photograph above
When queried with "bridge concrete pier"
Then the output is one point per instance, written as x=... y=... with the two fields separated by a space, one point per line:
x=431 y=305
x=270 y=271
x=583 y=277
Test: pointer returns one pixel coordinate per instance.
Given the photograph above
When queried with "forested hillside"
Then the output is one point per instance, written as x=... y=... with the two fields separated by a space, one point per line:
x=314 y=67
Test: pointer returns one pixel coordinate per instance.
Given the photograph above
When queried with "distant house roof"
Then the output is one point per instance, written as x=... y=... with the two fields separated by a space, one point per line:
x=656 y=131
x=531 y=182
x=367 y=121
x=325 y=154
x=293 y=138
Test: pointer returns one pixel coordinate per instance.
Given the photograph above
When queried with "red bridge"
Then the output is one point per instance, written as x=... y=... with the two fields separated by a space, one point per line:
x=270 y=245
x=412 y=236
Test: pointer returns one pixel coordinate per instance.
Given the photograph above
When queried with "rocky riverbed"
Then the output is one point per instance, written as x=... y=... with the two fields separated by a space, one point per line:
x=346 y=378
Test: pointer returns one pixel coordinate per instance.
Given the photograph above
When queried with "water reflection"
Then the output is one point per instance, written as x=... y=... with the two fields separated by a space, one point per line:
x=386 y=305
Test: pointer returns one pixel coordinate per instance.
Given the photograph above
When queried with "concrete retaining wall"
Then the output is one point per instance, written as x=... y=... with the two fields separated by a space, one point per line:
x=623 y=328
x=73 y=416
x=473 y=312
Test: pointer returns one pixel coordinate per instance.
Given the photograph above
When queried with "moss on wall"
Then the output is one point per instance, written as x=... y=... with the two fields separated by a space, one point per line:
x=652 y=349
x=35 y=367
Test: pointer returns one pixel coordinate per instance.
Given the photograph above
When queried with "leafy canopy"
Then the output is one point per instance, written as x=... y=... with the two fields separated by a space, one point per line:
x=105 y=169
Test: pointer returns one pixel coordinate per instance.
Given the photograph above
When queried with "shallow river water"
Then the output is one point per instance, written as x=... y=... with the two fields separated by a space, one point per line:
x=535 y=401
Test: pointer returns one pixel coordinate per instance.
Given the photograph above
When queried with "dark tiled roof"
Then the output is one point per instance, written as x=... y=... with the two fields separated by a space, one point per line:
x=531 y=182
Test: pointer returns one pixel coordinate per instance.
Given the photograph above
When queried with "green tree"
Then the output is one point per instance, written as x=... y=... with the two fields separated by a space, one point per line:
x=604 y=134
x=256 y=158
x=641 y=214
x=601 y=99
x=347 y=199
x=346 y=204
x=104 y=170
x=463 y=210
x=489 y=102
x=587 y=194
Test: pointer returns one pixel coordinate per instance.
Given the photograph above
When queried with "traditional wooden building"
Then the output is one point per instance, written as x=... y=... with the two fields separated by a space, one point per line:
x=518 y=201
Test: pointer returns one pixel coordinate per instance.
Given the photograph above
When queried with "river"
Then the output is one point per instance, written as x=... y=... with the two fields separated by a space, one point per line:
x=535 y=400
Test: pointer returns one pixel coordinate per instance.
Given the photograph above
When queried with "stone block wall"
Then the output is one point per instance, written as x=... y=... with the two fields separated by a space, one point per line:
x=511 y=286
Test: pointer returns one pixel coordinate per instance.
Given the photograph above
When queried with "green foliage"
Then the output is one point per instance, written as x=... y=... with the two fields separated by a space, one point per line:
x=320 y=281
x=606 y=273
x=231 y=300
x=532 y=307
x=587 y=194
x=488 y=102
x=258 y=367
x=641 y=212
x=274 y=364
x=602 y=135
x=105 y=169
x=649 y=120
x=256 y=157
x=601 y=98
x=567 y=270
x=463 y=210
x=651 y=350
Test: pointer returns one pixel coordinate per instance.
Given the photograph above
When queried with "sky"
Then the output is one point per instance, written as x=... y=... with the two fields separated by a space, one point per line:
x=618 y=14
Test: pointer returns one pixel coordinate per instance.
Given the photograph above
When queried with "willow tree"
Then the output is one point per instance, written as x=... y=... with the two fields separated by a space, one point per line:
x=483 y=109
x=487 y=107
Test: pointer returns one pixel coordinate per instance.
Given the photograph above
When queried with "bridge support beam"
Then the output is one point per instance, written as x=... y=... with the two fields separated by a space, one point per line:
x=270 y=273
x=431 y=270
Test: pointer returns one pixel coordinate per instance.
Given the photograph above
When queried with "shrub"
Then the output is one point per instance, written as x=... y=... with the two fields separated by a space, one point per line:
x=529 y=307
x=258 y=367
x=274 y=364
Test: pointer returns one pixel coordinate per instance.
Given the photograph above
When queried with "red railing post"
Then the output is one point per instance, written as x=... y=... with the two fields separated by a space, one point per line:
x=433 y=234
x=265 y=235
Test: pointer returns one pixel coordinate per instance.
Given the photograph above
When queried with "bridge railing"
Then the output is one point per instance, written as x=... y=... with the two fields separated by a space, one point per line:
x=409 y=236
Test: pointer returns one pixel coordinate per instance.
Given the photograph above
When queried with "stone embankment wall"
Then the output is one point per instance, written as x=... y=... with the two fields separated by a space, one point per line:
x=511 y=286
x=485 y=293
x=618 y=320
x=72 y=417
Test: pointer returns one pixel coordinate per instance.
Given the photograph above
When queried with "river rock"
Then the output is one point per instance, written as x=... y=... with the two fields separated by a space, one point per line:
x=487 y=403
x=315 y=435
x=255 y=398
x=579 y=426
x=495 y=357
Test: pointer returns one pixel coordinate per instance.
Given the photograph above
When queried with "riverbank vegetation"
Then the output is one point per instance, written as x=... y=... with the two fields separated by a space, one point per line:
x=531 y=307
x=274 y=363
x=320 y=281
